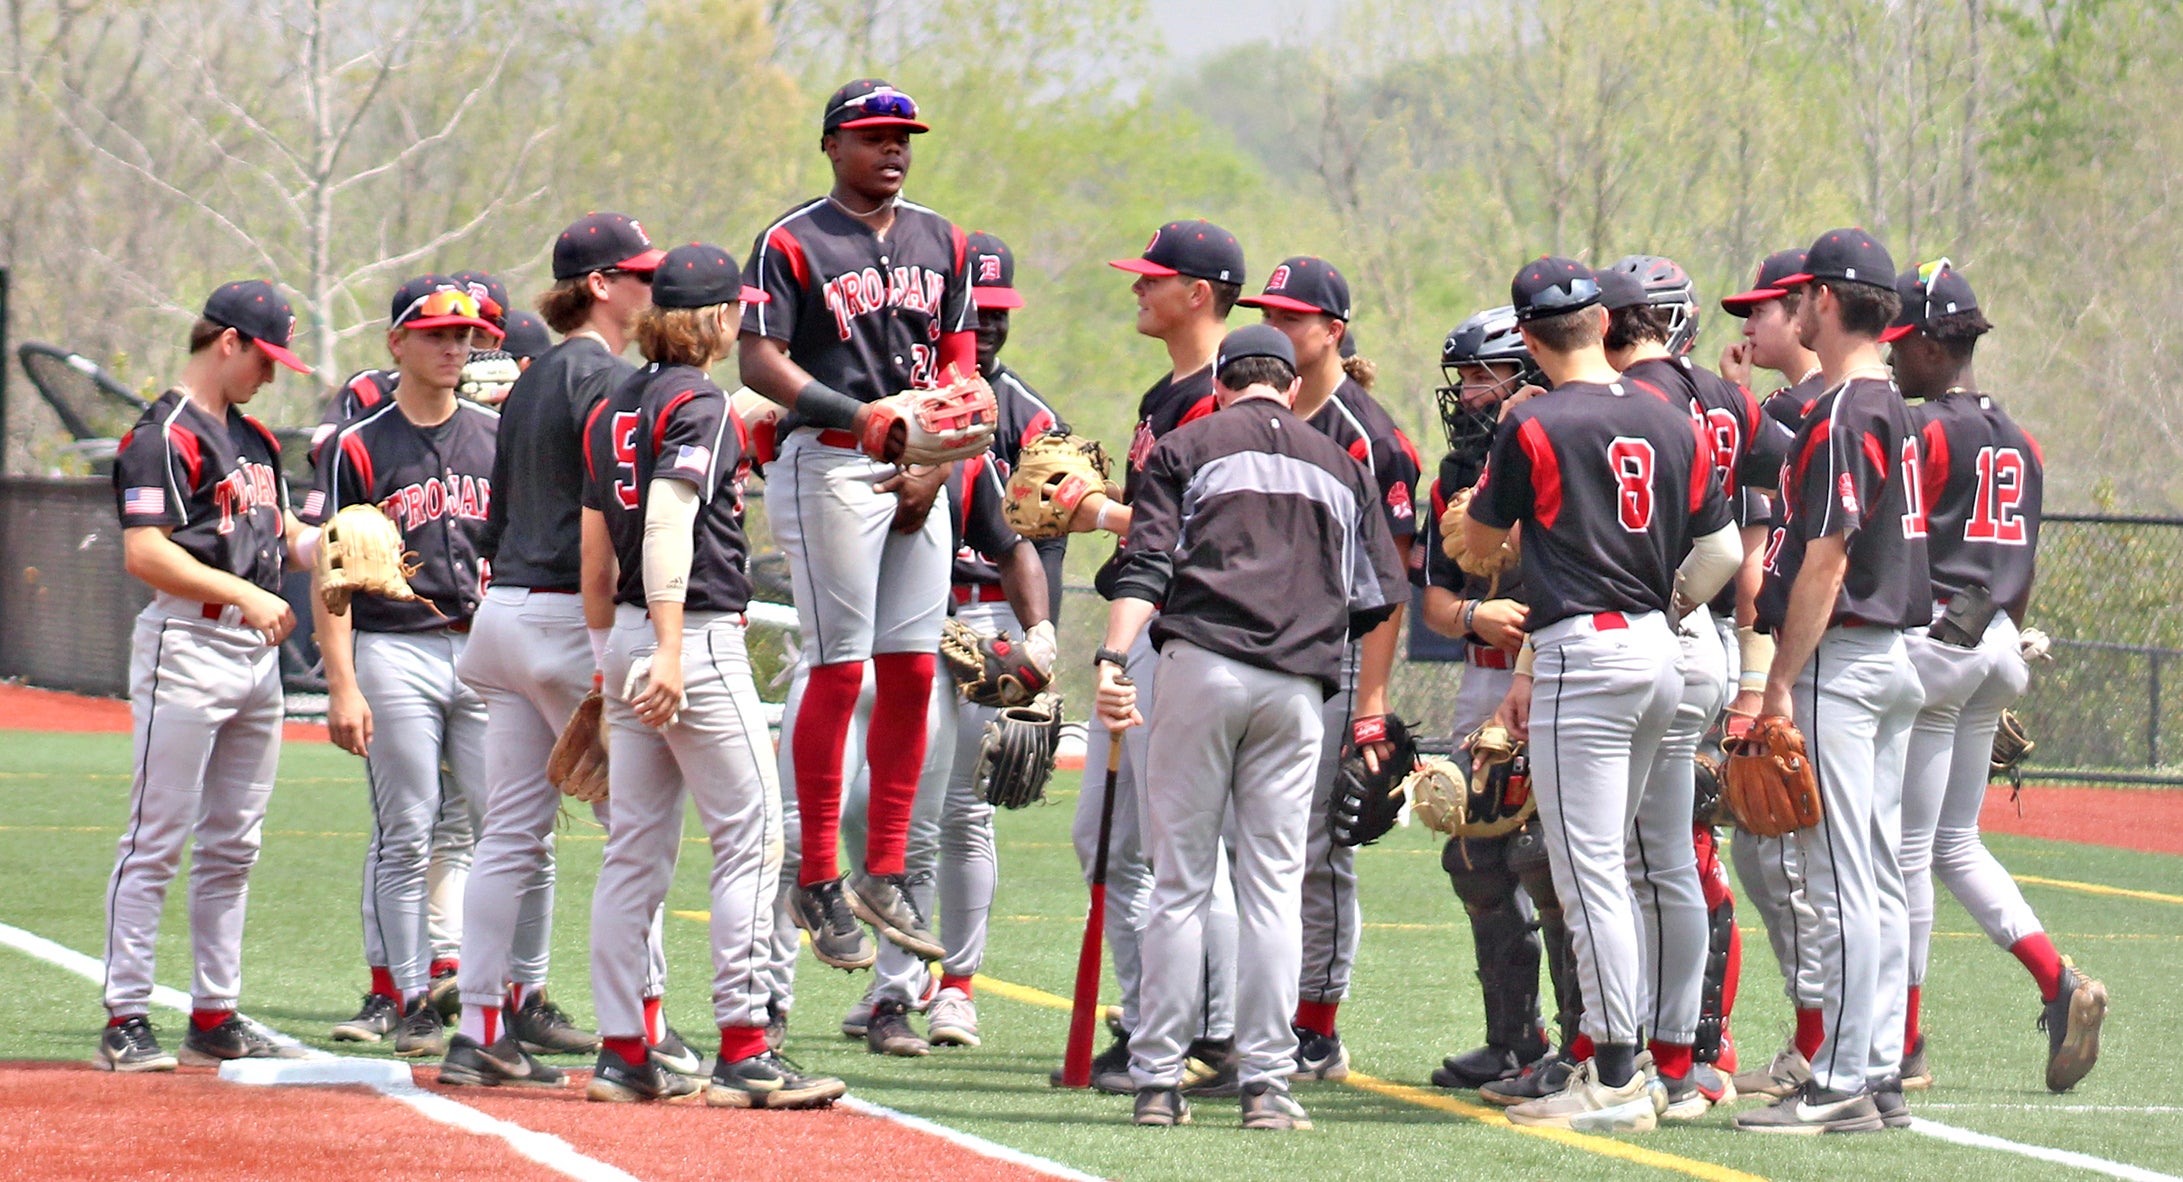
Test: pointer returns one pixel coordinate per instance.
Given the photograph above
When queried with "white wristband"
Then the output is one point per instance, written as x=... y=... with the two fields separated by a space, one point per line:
x=1100 y=521
x=598 y=647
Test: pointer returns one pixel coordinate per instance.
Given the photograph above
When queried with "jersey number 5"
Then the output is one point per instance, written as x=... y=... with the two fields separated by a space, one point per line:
x=625 y=459
x=2000 y=491
x=1632 y=461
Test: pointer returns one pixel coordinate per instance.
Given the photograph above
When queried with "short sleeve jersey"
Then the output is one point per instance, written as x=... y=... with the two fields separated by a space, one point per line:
x=1024 y=416
x=1611 y=485
x=365 y=391
x=860 y=313
x=1170 y=403
x=1430 y=565
x=981 y=534
x=436 y=484
x=1852 y=470
x=672 y=423
x=1354 y=419
x=215 y=484
x=535 y=537
x=1983 y=488
x=1731 y=419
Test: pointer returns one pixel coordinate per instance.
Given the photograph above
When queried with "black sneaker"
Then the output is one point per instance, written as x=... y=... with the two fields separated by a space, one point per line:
x=131 y=1046
x=1209 y=1068
x=2072 y=1022
x=1109 y=1068
x=1813 y=1109
x=422 y=1032
x=1161 y=1108
x=232 y=1039
x=1888 y=1098
x=1477 y=1067
x=1320 y=1056
x=1268 y=1107
x=884 y=901
x=890 y=1032
x=836 y=936
x=1538 y=1081
x=380 y=1015
x=670 y=1053
x=546 y=1029
x=614 y=1081
x=769 y=1081
x=445 y=994
x=505 y=1064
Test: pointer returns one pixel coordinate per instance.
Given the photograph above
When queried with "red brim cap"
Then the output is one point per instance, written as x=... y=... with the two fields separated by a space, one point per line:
x=755 y=295
x=648 y=261
x=283 y=356
x=1797 y=280
x=1740 y=303
x=996 y=297
x=1284 y=303
x=886 y=121
x=1142 y=267
x=1896 y=332
x=427 y=322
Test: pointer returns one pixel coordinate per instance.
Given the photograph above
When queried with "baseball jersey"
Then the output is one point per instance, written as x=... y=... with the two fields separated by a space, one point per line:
x=1781 y=416
x=1983 y=483
x=1853 y=471
x=216 y=485
x=1262 y=541
x=1354 y=419
x=366 y=390
x=1024 y=416
x=535 y=535
x=672 y=423
x=1430 y=565
x=435 y=483
x=982 y=536
x=1612 y=485
x=860 y=313
x=1170 y=403
x=1731 y=418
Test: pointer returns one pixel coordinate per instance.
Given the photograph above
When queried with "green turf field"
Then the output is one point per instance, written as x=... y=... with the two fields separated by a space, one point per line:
x=63 y=800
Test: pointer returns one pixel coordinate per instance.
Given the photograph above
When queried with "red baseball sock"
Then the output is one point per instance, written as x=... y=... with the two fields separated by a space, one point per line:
x=382 y=983
x=894 y=752
x=446 y=964
x=951 y=981
x=631 y=1050
x=1671 y=1059
x=654 y=1028
x=2038 y=954
x=1317 y=1016
x=114 y=1020
x=1811 y=1030
x=822 y=729
x=738 y=1043
x=515 y=995
x=1580 y=1048
x=1910 y=1021
x=209 y=1019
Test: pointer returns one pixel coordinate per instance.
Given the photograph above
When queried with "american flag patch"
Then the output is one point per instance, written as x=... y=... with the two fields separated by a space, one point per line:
x=693 y=459
x=315 y=503
x=144 y=502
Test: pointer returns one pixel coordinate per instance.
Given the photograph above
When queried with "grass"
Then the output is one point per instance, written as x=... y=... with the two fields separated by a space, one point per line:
x=63 y=799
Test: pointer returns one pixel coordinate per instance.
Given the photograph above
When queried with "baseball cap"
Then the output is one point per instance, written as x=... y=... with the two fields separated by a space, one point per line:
x=1767 y=284
x=492 y=294
x=1550 y=286
x=1305 y=283
x=992 y=272
x=437 y=301
x=252 y=308
x=527 y=336
x=700 y=275
x=1849 y=255
x=871 y=102
x=1620 y=289
x=1196 y=248
x=1254 y=340
x=1929 y=291
x=603 y=242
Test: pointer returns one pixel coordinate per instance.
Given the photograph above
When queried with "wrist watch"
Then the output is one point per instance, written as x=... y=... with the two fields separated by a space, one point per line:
x=1108 y=656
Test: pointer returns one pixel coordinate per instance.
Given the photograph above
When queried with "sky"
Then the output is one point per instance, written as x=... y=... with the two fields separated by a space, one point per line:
x=1195 y=27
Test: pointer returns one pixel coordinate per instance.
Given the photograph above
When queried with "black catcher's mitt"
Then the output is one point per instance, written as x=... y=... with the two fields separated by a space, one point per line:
x=1016 y=757
x=990 y=670
x=1366 y=803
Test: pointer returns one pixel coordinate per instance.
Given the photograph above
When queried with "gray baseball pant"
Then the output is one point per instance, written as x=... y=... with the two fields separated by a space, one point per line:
x=1662 y=864
x=1332 y=917
x=1766 y=870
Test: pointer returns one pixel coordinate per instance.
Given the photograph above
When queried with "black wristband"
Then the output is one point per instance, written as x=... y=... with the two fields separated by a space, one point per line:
x=1108 y=656
x=823 y=406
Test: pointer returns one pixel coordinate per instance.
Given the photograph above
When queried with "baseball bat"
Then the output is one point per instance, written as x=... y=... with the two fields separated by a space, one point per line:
x=1083 y=1014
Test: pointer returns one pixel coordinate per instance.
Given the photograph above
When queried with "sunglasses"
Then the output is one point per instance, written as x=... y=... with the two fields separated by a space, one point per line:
x=441 y=301
x=885 y=101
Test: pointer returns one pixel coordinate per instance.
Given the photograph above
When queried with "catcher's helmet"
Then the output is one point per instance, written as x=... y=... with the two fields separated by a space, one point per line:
x=1668 y=286
x=1488 y=338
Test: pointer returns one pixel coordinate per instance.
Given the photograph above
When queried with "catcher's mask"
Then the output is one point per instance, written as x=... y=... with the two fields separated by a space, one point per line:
x=1668 y=286
x=1486 y=339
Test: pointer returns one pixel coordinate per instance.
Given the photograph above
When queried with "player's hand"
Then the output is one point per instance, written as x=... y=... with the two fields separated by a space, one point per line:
x=915 y=489
x=1500 y=623
x=348 y=720
x=1524 y=394
x=1741 y=710
x=1117 y=699
x=1084 y=518
x=1777 y=701
x=269 y=614
x=1736 y=363
x=1043 y=647
x=658 y=697
x=1514 y=714
x=1368 y=738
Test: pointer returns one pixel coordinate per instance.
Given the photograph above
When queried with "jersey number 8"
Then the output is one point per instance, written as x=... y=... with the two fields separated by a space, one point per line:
x=1632 y=462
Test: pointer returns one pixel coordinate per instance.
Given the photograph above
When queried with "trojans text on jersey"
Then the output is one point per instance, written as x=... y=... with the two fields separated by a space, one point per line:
x=250 y=486
x=859 y=293
x=462 y=496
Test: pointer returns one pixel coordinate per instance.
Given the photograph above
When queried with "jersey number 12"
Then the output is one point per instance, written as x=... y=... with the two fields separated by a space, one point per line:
x=1995 y=516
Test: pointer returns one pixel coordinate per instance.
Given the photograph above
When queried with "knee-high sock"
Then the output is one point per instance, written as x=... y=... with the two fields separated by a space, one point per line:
x=822 y=729
x=895 y=753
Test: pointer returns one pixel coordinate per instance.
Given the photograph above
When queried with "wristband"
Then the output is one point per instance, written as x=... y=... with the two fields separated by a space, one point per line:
x=1100 y=520
x=1755 y=650
x=598 y=647
x=1107 y=656
x=1371 y=728
x=1525 y=657
x=823 y=406
x=1470 y=615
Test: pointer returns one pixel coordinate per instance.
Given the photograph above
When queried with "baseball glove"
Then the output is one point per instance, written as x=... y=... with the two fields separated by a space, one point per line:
x=1367 y=803
x=578 y=763
x=1494 y=802
x=1768 y=783
x=360 y=550
x=1054 y=472
x=2011 y=744
x=953 y=422
x=990 y=670
x=1485 y=566
x=488 y=376
x=1016 y=757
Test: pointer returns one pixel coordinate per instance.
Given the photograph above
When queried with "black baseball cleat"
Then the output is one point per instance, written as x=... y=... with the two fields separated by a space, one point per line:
x=614 y=1081
x=1268 y=1107
x=445 y=993
x=1887 y=1096
x=884 y=901
x=1209 y=1067
x=776 y=1028
x=505 y=1064
x=1917 y=1071
x=2072 y=1022
x=822 y=909
x=1109 y=1069
x=546 y=1029
x=377 y=1019
x=1320 y=1056
x=233 y=1039
x=130 y=1045
x=670 y=1053
x=1812 y=1109
x=890 y=1032
x=422 y=1032
x=1477 y=1067
x=769 y=1081
x=1538 y=1081
x=1161 y=1108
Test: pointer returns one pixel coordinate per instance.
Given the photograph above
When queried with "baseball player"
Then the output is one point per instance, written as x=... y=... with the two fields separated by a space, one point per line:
x=1845 y=579
x=425 y=458
x=1024 y=413
x=1308 y=300
x=1189 y=277
x=869 y=296
x=1983 y=488
x=1623 y=523
x=665 y=465
x=1250 y=648
x=530 y=658
x=527 y=340
x=204 y=519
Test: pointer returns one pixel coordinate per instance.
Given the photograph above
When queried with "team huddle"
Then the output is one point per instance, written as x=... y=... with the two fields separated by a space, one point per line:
x=1670 y=600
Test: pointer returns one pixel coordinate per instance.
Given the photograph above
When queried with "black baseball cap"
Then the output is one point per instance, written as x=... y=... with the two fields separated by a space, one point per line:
x=1847 y=255
x=527 y=336
x=992 y=272
x=871 y=102
x=1929 y=291
x=251 y=307
x=603 y=242
x=437 y=301
x=1550 y=286
x=1767 y=284
x=1305 y=283
x=486 y=288
x=1254 y=340
x=700 y=275
x=1196 y=248
x=1619 y=289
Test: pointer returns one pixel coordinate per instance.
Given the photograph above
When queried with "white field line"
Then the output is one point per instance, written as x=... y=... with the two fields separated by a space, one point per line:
x=2060 y=1157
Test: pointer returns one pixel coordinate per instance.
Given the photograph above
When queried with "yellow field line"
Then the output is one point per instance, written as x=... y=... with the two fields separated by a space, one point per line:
x=2094 y=888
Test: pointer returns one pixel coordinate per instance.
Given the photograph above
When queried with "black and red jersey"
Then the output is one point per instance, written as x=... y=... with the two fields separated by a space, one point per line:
x=535 y=537
x=1984 y=483
x=1430 y=565
x=981 y=534
x=1170 y=403
x=366 y=390
x=1732 y=419
x=861 y=313
x=436 y=484
x=216 y=485
x=672 y=423
x=1354 y=419
x=1853 y=470
x=1611 y=485
x=1024 y=416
